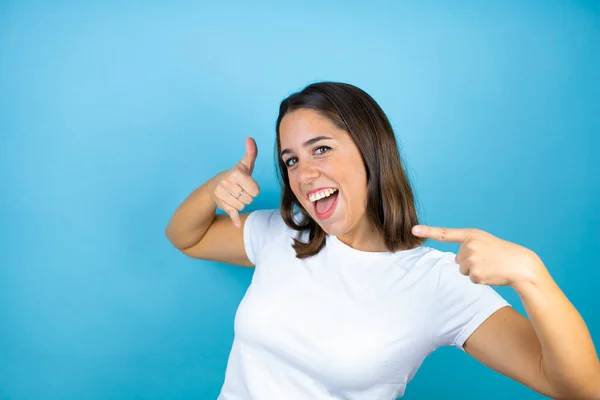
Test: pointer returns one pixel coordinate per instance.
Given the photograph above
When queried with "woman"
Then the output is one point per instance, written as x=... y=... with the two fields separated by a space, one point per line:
x=346 y=301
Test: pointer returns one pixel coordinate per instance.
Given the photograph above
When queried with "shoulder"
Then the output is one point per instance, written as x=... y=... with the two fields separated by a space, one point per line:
x=435 y=271
x=266 y=225
x=265 y=230
x=433 y=257
x=428 y=260
x=441 y=270
x=270 y=216
x=267 y=219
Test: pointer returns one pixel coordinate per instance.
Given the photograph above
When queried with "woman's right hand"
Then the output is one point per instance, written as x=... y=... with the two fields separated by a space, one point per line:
x=235 y=189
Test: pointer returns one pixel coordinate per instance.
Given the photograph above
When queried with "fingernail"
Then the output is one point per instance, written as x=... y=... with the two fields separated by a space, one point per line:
x=417 y=229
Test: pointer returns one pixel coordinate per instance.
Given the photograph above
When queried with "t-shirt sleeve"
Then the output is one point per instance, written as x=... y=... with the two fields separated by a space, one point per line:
x=259 y=228
x=460 y=305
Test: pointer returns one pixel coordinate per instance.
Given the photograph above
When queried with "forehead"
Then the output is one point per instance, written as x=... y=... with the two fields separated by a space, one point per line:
x=303 y=124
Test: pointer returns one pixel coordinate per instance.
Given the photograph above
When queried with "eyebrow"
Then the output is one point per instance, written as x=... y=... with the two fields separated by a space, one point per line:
x=307 y=143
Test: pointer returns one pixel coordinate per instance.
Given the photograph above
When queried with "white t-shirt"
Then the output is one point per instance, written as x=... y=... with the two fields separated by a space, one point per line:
x=344 y=324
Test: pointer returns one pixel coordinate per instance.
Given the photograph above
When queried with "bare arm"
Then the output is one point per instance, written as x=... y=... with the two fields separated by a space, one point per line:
x=568 y=359
x=194 y=216
x=199 y=232
x=552 y=352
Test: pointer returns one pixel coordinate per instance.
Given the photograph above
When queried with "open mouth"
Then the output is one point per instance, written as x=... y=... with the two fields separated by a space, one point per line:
x=325 y=202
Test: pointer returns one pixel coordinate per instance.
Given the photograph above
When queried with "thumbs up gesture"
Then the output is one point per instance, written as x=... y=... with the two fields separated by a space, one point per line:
x=235 y=189
x=485 y=258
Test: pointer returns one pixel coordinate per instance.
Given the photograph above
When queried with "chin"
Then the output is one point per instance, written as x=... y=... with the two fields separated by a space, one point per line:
x=334 y=228
x=333 y=232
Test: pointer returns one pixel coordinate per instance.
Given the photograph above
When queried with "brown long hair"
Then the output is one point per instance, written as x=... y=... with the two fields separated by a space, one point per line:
x=390 y=201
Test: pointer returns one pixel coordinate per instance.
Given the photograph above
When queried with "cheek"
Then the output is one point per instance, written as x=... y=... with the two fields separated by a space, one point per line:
x=294 y=186
x=357 y=192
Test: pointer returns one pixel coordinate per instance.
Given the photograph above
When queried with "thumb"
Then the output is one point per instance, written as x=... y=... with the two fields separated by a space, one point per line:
x=250 y=156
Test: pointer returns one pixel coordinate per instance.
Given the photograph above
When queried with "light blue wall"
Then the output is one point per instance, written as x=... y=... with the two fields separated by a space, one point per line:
x=111 y=114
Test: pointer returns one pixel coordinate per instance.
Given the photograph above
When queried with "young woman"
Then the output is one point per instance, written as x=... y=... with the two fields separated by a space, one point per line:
x=346 y=302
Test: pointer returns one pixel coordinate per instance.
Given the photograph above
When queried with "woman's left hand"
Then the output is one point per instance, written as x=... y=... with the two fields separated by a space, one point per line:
x=485 y=258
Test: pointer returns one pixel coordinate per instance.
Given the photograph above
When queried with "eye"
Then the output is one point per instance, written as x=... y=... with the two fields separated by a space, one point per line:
x=325 y=149
x=288 y=163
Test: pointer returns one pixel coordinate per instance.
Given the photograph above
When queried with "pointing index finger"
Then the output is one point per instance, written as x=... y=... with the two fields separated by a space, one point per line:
x=440 y=234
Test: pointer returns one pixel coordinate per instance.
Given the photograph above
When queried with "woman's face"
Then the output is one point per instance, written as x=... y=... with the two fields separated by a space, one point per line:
x=320 y=156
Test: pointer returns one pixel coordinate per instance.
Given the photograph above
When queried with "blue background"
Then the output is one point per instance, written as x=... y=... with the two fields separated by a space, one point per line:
x=111 y=114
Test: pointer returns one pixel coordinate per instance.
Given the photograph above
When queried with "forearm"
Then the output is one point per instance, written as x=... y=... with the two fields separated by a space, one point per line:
x=569 y=359
x=193 y=217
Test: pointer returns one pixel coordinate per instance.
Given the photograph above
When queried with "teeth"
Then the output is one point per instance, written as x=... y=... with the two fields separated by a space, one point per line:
x=321 y=194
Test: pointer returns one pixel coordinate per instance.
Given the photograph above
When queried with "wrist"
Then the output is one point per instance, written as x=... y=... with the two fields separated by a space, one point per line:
x=532 y=274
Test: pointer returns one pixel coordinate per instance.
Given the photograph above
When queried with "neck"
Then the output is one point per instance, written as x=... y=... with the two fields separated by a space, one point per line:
x=365 y=238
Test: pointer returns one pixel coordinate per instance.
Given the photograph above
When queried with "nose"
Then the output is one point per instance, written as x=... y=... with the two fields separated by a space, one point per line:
x=307 y=172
